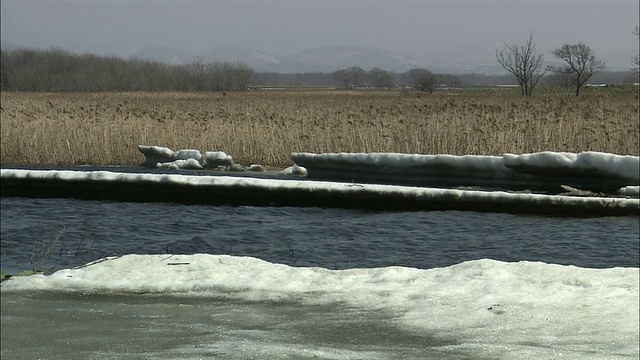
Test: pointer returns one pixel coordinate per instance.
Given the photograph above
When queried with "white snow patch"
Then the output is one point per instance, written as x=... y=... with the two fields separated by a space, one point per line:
x=624 y=166
x=156 y=154
x=214 y=159
x=294 y=170
x=189 y=164
x=629 y=191
x=495 y=309
x=398 y=160
x=619 y=166
x=188 y=154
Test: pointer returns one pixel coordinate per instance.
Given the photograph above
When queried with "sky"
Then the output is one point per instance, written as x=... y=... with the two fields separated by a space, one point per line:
x=431 y=29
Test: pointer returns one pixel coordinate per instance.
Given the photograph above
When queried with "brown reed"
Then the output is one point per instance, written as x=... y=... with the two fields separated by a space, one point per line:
x=265 y=127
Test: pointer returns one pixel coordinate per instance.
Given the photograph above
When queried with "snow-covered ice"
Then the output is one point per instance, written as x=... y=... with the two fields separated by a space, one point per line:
x=627 y=167
x=491 y=309
x=314 y=190
x=393 y=162
x=623 y=166
x=543 y=171
x=599 y=170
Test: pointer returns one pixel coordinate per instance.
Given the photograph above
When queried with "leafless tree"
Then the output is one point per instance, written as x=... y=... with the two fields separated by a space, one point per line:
x=423 y=80
x=352 y=77
x=4 y=73
x=197 y=71
x=581 y=64
x=523 y=62
x=342 y=77
x=636 y=59
x=381 y=79
x=358 y=76
x=243 y=76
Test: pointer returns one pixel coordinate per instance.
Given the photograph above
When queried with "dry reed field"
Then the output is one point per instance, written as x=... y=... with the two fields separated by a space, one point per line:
x=265 y=127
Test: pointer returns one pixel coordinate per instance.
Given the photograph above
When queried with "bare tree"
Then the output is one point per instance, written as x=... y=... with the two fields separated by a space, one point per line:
x=381 y=79
x=636 y=59
x=581 y=64
x=342 y=77
x=358 y=76
x=197 y=71
x=423 y=80
x=449 y=80
x=4 y=77
x=243 y=76
x=352 y=77
x=523 y=62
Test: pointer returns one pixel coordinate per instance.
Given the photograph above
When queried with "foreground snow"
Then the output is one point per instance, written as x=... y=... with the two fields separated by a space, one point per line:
x=493 y=309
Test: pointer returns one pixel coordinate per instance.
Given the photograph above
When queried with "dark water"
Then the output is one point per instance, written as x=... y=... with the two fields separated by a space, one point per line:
x=69 y=232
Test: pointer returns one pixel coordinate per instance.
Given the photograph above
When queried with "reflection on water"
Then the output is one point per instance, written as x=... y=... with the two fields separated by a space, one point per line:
x=330 y=238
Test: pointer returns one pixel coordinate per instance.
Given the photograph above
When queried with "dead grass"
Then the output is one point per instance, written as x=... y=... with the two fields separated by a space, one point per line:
x=266 y=126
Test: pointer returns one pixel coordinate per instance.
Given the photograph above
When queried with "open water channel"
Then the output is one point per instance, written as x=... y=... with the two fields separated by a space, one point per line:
x=329 y=238
x=53 y=234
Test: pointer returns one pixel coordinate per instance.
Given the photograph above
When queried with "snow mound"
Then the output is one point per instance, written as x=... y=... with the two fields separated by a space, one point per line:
x=191 y=159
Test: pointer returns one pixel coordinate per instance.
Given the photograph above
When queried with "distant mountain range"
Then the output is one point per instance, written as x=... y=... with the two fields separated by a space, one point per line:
x=323 y=59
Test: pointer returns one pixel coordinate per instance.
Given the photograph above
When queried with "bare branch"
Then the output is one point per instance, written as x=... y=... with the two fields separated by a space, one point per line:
x=523 y=62
x=581 y=64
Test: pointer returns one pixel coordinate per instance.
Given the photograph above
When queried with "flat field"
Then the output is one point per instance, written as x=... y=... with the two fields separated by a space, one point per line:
x=265 y=127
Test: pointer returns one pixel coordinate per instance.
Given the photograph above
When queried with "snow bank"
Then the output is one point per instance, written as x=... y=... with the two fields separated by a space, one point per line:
x=631 y=191
x=545 y=171
x=472 y=164
x=626 y=167
x=292 y=192
x=492 y=308
x=588 y=163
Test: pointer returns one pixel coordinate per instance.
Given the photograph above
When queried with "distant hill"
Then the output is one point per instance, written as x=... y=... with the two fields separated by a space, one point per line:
x=254 y=58
x=325 y=59
x=163 y=54
x=333 y=58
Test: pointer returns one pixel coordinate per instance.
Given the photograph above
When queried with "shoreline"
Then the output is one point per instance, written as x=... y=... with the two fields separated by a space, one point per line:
x=266 y=191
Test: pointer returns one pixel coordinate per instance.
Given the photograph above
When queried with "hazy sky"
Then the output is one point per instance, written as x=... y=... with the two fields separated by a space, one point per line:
x=427 y=28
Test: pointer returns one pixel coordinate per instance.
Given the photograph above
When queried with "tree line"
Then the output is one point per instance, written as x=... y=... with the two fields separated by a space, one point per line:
x=376 y=78
x=58 y=70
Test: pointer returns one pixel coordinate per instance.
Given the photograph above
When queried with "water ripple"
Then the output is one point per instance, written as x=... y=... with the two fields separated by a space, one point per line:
x=331 y=238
